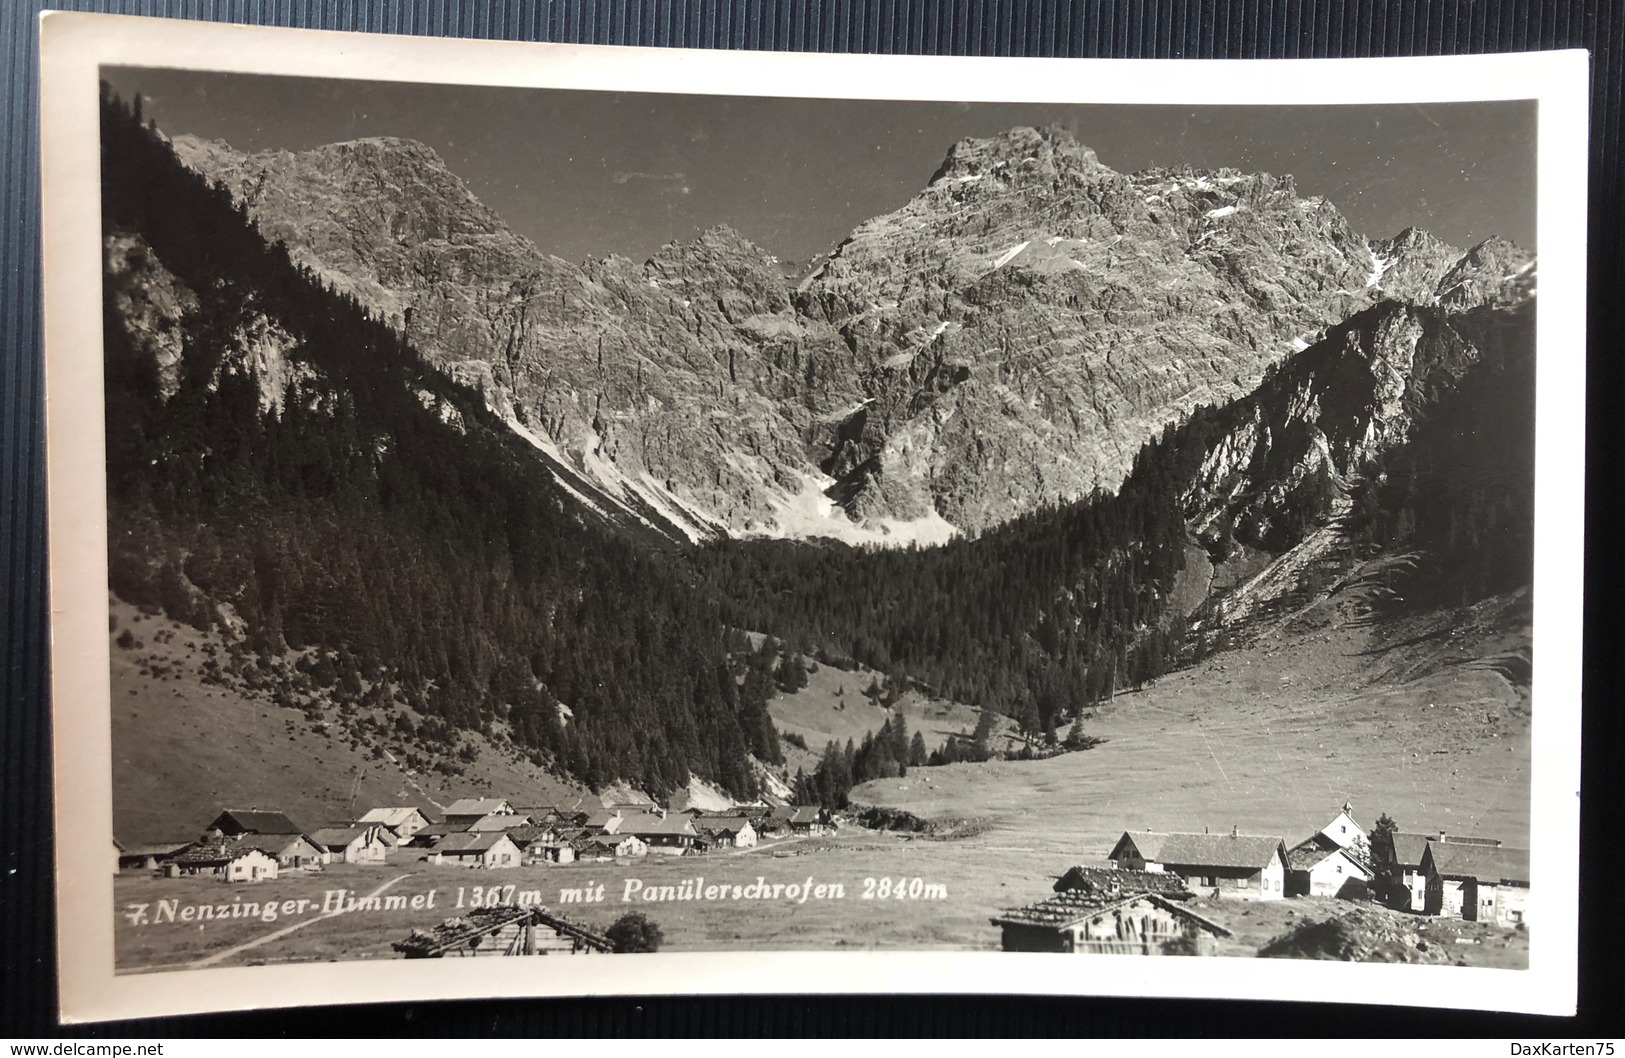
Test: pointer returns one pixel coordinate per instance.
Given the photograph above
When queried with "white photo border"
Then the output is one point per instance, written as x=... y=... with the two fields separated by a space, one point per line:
x=74 y=48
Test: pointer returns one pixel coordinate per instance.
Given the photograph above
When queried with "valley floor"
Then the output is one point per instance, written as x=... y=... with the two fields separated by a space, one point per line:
x=1270 y=738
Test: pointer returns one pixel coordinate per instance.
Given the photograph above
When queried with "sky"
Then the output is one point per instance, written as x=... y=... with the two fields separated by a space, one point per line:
x=586 y=174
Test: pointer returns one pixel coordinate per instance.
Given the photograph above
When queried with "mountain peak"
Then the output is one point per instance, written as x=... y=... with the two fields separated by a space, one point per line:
x=1022 y=151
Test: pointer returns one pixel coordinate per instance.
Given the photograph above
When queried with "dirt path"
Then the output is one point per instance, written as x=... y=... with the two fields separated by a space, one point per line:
x=221 y=956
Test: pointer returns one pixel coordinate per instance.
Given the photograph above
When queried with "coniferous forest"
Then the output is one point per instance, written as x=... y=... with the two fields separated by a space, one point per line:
x=412 y=558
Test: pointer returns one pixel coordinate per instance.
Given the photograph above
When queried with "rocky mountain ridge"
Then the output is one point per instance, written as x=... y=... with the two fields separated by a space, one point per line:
x=1008 y=338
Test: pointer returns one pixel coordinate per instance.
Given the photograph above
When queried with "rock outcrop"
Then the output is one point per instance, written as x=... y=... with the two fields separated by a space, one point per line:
x=1008 y=338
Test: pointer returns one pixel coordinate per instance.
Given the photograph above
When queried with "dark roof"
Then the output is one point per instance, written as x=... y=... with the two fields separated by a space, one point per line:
x=336 y=837
x=527 y=835
x=254 y=821
x=499 y=821
x=1486 y=863
x=1408 y=849
x=1074 y=905
x=732 y=824
x=653 y=825
x=466 y=842
x=1307 y=855
x=476 y=806
x=216 y=853
x=1121 y=880
x=1204 y=850
x=161 y=849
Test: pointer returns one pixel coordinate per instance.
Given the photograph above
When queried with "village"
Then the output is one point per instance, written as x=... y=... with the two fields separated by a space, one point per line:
x=252 y=845
x=1138 y=901
x=1152 y=893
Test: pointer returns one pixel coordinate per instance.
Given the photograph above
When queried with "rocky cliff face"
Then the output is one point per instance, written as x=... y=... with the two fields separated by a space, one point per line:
x=1009 y=337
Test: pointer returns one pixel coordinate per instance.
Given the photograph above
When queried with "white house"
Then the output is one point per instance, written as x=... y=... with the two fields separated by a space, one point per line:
x=403 y=821
x=1345 y=833
x=288 y=850
x=1318 y=867
x=351 y=844
x=728 y=831
x=490 y=850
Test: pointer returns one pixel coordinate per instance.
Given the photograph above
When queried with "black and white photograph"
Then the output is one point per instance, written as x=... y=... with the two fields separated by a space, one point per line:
x=545 y=520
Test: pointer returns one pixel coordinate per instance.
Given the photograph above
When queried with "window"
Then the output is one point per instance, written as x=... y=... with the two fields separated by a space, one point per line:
x=1339 y=868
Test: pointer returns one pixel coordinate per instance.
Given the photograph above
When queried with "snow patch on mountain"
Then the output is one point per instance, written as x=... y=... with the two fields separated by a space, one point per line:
x=808 y=512
x=1011 y=254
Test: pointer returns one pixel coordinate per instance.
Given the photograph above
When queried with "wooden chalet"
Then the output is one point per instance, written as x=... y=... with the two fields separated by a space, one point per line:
x=1408 y=850
x=231 y=859
x=1235 y=866
x=610 y=847
x=1116 y=880
x=149 y=857
x=1476 y=882
x=1103 y=922
x=727 y=831
x=234 y=821
x=503 y=931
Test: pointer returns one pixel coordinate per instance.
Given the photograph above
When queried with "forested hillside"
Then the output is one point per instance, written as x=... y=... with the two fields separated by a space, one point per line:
x=380 y=545
x=298 y=474
x=1047 y=614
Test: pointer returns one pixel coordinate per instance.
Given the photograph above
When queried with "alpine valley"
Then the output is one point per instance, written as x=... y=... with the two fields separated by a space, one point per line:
x=403 y=508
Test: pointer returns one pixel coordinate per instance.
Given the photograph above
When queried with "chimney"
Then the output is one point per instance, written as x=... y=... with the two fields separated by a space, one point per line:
x=1234 y=831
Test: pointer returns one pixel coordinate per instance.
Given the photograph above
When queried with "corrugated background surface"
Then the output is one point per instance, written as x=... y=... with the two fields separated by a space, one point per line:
x=1107 y=29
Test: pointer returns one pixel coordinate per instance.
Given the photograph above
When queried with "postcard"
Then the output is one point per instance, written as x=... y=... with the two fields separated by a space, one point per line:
x=806 y=523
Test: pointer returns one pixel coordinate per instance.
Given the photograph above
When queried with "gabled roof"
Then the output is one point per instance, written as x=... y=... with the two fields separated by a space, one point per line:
x=394 y=817
x=216 y=853
x=648 y=825
x=477 y=806
x=731 y=824
x=1203 y=850
x=1309 y=854
x=466 y=842
x=254 y=821
x=272 y=844
x=498 y=821
x=528 y=835
x=1408 y=849
x=336 y=837
x=160 y=850
x=1486 y=863
x=1119 y=880
x=1075 y=905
